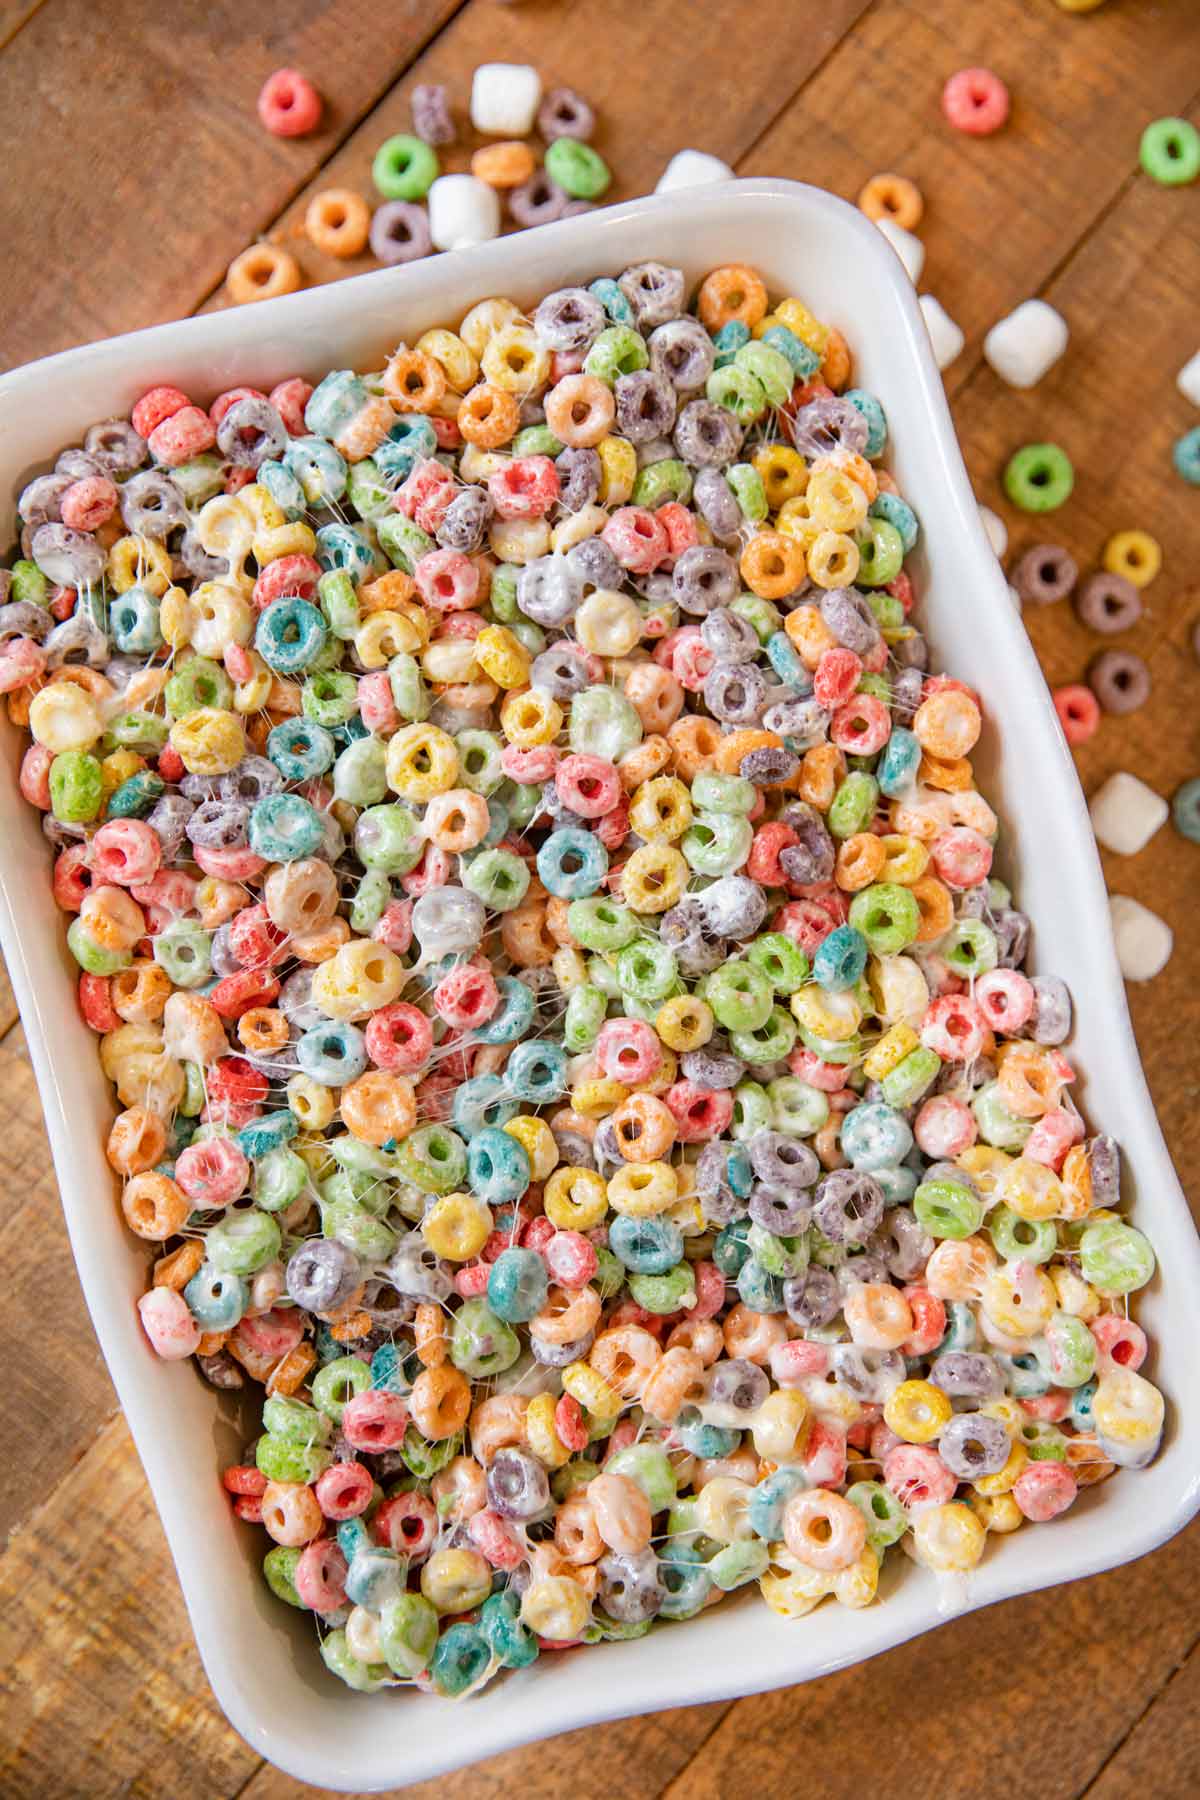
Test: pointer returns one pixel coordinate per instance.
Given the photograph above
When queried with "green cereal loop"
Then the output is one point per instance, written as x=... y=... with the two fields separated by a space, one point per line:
x=536 y=440
x=136 y=731
x=502 y=595
x=366 y=490
x=498 y=877
x=183 y=950
x=339 y=603
x=403 y=542
x=617 y=351
x=853 y=805
x=294 y=1421
x=1021 y=1240
x=764 y=618
x=197 y=683
x=577 y=169
x=947 y=1209
x=90 y=955
x=330 y=697
x=888 y=917
x=279 y=1459
x=665 y=1293
x=886 y=1519
x=28 y=583
x=479 y=760
x=910 y=1078
x=748 y=491
x=1039 y=478
x=770 y=369
x=76 y=787
x=796 y=1108
x=880 y=552
x=669 y=479
x=339 y=1382
x=739 y=391
x=279 y=1572
x=771 y=1042
x=405 y=168
x=1170 y=152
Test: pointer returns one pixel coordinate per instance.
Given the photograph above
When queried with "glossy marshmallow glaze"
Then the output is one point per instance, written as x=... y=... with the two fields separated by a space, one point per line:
x=259 y=1655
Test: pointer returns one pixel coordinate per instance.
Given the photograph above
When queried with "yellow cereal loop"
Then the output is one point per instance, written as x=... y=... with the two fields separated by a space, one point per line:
x=210 y=741
x=138 y=561
x=540 y=1432
x=618 y=470
x=575 y=1199
x=502 y=657
x=457 y=1227
x=654 y=879
x=640 y=1190
x=422 y=760
x=537 y=1140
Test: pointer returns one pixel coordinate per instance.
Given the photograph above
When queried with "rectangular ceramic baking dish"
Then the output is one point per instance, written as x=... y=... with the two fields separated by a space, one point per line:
x=260 y=1656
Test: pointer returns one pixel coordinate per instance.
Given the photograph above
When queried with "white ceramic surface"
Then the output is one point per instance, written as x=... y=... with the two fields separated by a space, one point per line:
x=260 y=1656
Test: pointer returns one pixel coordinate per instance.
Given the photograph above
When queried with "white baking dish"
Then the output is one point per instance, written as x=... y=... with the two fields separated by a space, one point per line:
x=260 y=1656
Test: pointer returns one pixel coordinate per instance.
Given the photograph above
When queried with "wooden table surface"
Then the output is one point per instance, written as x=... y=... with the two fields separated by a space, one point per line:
x=136 y=171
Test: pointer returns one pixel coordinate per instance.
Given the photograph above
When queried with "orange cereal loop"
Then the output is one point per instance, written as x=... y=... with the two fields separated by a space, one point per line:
x=212 y=1343
x=379 y=1107
x=293 y=1370
x=809 y=634
x=835 y=364
x=860 y=861
x=948 y=724
x=258 y=730
x=731 y=292
x=694 y=742
x=732 y=746
x=949 y=774
x=140 y=993
x=849 y=462
x=504 y=165
x=821 y=772
x=440 y=1402
x=319 y=945
x=772 y=565
x=19 y=701
x=892 y=197
x=176 y=1269
x=283 y=697
x=90 y=680
x=488 y=416
x=338 y=222
x=414 y=381
x=348 y=1331
x=644 y=1129
x=137 y=1140
x=556 y=922
x=386 y=593
x=261 y=1029
x=154 y=1207
x=429 y=1334
x=937 y=908
x=263 y=272
x=524 y=935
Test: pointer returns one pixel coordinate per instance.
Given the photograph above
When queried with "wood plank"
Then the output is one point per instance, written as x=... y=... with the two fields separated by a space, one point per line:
x=958 y=1709
x=634 y=1756
x=8 y=1002
x=118 y=243
x=1113 y=406
x=1001 y=212
x=1161 y=1755
x=599 y=49
x=43 y=1303
x=103 y=1691
x=14 y=14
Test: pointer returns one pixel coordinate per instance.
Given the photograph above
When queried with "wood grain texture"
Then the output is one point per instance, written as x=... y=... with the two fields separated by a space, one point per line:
x=102 y=1692
x=646 y=101
x=148 y=170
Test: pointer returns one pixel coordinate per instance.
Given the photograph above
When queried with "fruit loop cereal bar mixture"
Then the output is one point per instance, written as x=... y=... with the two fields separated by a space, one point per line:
x=537 y=913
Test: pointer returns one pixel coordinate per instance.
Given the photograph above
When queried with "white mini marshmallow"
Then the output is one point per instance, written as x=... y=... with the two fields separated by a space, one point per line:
x=906 y=244
x=505 y=98
x=1126 y=813
x=1188 y=380
x=1024 y=346
x=462 y=211
x=944 y=334
x=692 y=168
x=997 y=530
x=1144 y=941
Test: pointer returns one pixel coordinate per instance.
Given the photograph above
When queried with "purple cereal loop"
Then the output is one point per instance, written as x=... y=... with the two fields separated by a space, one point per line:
x=730 y=638
x=832 y=424
x=711 y=1068
x=967 y=1375
x=902 y=1242
x=716 y=502
x=912 y=652
x=803 y=721
x=655 y=292
x=735 y=694
x=465 y=520
x=812 y=1299
x=151 y=504
x=432 y=120
x=1119 y=679
x=733 y=907
x=907 y=690
x=848 y=615
x=579 y=472
x=769 y=766
x=811 y=859
x=1044 y=574
x=1108 y=603
x=250 y=433
x=116 y=445
x=1104 y=1167
x=707 y=436
x=400 y=232
x=1051 y=1022
x=79 y=464
x=219 y=825
x=538 y=201
x=69 y=558
x=974 y=1444
x=41 y=499
x=782 y=1213
x=569 y=319
x=645 y=406
x=21 y=618
x=782 y=1162
x=682 y=352
x=704 y=577
x=565 y=113
x=849 y=1206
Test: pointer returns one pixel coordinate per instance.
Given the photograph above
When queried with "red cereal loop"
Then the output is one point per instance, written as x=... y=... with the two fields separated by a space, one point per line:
x=156 y=405
x=288 y=104
x=289 y=400
x=186 y=433
x=975 y=101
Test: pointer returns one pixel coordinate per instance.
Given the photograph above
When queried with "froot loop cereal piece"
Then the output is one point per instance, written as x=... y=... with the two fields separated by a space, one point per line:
x=1026 y=345
x=571 y=1050
x=975 y=101
x=288 y=104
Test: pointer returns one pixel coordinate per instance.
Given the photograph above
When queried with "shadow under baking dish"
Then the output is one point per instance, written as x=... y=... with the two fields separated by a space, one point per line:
x=261 y=1656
